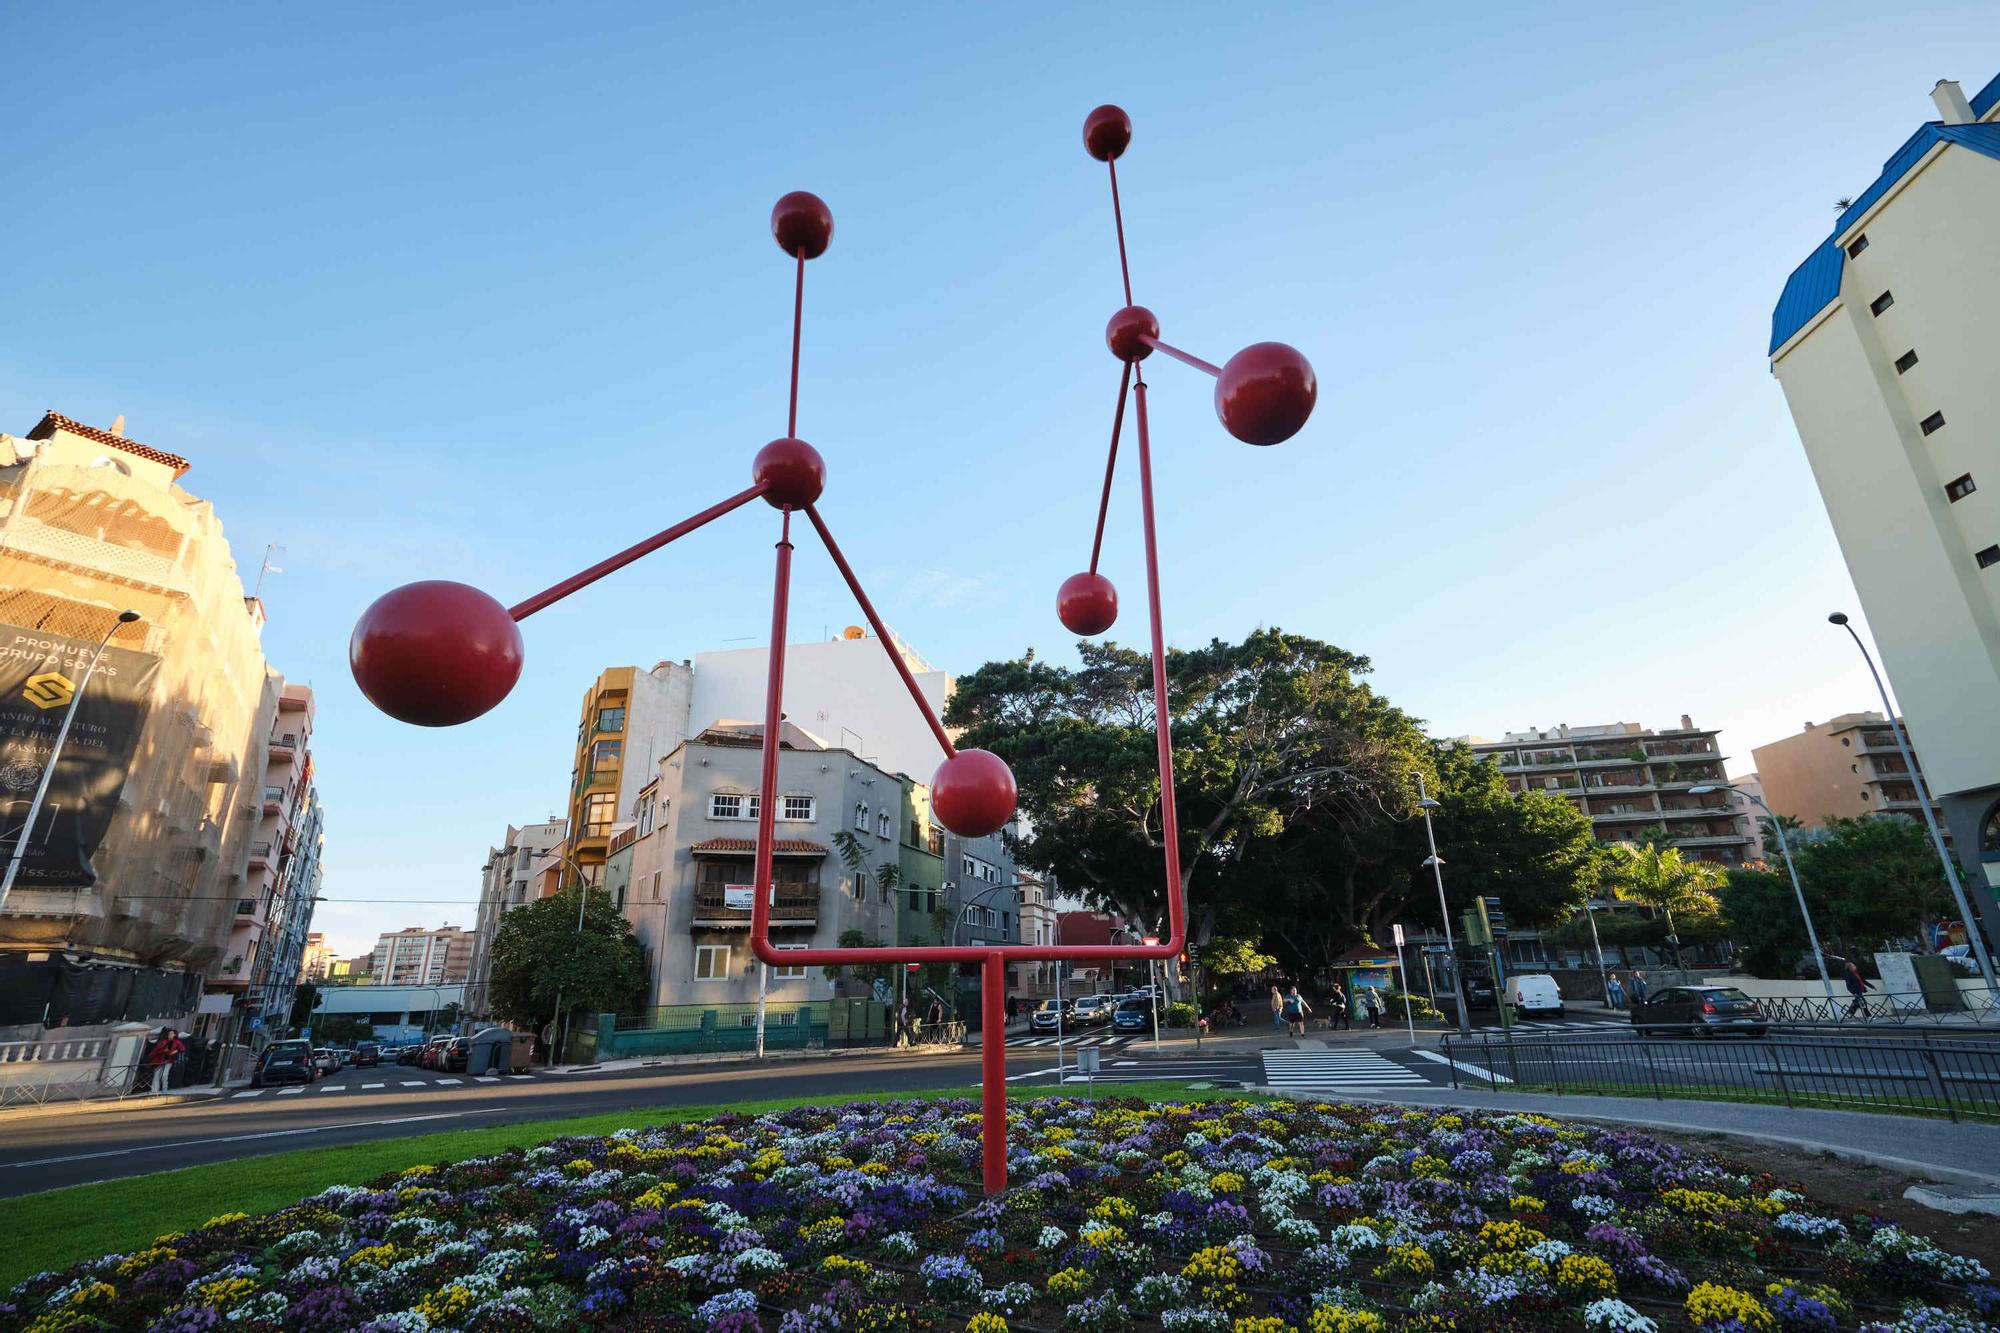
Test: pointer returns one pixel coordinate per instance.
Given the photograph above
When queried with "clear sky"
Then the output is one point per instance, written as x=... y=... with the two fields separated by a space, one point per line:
x=487 y=292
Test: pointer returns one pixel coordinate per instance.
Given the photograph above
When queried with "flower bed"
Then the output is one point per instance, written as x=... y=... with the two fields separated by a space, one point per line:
x=1234 y=1216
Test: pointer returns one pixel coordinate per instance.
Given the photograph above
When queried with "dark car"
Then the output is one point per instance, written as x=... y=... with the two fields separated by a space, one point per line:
x=410 y=1055
x=1707 y=1010
x=1133 y=1014
x=367 y=1055
x=1480 y=993
x=453 y=1054
x=284 y=1062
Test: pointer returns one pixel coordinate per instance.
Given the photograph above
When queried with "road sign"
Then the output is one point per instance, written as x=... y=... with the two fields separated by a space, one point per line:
x=1149 y=939
x=256 y=1023
x=1089 y=1060
x=913 y=967
x=305 y=1034
x=1396 y=934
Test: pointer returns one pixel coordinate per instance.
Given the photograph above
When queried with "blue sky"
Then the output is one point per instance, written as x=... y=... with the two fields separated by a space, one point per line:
x=486 y=293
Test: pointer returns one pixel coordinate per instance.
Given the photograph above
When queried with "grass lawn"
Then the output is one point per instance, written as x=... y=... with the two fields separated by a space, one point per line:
x=60 y=1227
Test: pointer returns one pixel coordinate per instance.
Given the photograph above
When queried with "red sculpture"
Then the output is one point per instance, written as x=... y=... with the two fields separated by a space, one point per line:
x=439 y=653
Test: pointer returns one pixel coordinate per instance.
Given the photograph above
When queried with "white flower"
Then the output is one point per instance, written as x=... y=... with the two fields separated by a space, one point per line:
x=1050 y=1238
x=1612 y=1315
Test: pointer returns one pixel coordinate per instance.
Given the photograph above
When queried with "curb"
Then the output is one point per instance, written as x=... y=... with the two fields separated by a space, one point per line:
x=52 y=1109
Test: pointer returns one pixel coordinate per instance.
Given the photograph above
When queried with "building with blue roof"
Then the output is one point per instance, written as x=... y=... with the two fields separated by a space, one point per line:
x=1883 y=340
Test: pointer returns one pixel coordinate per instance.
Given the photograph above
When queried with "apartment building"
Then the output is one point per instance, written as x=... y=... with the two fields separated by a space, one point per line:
x=506 y=880
x=415 y=956
x=1881 y=341
x=314 y=962
x=132 y=875
x=1629 y=778
x=630 y=719
x=1846 y=767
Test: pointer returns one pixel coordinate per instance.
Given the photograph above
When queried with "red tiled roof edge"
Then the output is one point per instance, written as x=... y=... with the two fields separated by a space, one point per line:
x=781 y=846
x=52 y=422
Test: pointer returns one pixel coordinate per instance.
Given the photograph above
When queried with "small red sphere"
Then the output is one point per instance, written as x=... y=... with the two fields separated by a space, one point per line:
x=973 y=793
x=1265 y=393
x=1087 y=604
x=791 y=471
x=1122 y=335
x=801 y=221
x=435 y=653
x=1106 y=132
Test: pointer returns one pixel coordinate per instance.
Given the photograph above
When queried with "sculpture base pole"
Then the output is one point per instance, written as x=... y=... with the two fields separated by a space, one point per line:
x=993 y=1070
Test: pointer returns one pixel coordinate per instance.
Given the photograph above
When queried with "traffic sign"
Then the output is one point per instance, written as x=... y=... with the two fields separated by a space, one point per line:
x=1149 y=939
x=1396 y=934
x=256 y=1022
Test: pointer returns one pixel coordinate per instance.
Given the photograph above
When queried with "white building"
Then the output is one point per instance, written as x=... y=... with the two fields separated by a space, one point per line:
x=1883 y=343
x=505 y=883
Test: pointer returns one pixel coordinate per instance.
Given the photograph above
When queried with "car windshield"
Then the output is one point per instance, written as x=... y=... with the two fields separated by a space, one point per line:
x=1724 y=993
x=1133 y=1006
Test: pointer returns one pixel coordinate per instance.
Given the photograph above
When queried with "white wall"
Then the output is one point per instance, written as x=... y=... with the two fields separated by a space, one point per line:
x=656 y=720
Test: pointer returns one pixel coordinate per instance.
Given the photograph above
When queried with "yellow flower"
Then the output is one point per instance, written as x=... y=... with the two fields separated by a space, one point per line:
x=1068 y=1282
x=97 y=1293
x=446 y=1304
x=1226 y=1182
x=876 y=1169
x=379 y=1255
x=1174 y=1160
x=1508 y=1236
x=1696 y=1203
x=841 y=1265
x=655 y=1196
x=411 y=1173
x=1115 y=1209
x=1406 y=1261
x=145 y=1259
x=225 y=1293
x=1250 y=1323
x=986 y=1322
x=1099 y=1235
x=225 y=1220
x=1526 y=1203
x=1712 y=1303
x=1337 y=1319
x=579 y=1166
x=1585 y=1275
x=1428 y=1167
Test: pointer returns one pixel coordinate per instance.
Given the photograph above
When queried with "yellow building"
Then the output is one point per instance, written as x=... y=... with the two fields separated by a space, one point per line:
x=630 y=719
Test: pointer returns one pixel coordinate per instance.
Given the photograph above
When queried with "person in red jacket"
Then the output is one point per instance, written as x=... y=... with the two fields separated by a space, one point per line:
x=158 y=1057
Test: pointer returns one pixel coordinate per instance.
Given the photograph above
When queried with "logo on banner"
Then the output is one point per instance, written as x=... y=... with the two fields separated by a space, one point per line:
x=50 y=689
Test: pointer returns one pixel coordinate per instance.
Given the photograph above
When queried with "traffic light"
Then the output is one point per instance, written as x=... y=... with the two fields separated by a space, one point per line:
x=1494 y=917
x=1472 y=924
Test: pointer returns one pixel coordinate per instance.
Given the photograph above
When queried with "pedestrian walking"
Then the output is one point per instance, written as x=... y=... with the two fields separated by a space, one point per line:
x=159 y=1056
x=1858 y=987
x=1277 y=1007
x=1637 y=990
x=1338 y=1015
x=1372 y=1000
x=1614 y=994
x=1295 y=1011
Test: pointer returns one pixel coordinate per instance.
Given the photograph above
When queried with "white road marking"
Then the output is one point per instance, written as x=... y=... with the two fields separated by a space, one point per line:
x=251 y=1092
x=486 y=1078
x=413 y=1083
x=1474 y=1070
x=370 y=1087
x=334 y=1087
x=443 y=1081
x=290 y=1092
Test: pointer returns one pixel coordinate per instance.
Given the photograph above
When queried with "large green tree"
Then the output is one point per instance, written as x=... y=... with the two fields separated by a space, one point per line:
x=541 y=960
x=1669 y=883
x=1879 y=879
x=1764 y=921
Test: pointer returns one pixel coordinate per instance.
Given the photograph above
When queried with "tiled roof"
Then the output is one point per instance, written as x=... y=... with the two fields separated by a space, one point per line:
x=52 y=422
x=1815 y=283
x=748 y=847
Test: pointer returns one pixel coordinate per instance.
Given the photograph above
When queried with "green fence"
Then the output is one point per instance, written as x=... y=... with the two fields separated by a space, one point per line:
x=698 y=1029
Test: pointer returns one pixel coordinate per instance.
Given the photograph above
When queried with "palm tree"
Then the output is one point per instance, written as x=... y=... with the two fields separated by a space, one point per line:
x=1664 y=880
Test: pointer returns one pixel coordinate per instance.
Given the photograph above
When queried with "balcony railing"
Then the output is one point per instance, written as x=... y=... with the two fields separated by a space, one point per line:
x=274 y=799
x=260 y=854
x=795 y=905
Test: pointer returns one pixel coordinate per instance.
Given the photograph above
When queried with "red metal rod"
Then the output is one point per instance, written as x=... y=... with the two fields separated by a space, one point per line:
x=993 y=1072
x=1110 y=462
x=1118 y=217
x=1170 y=829
x=1178 y=355
x=767 y=804
x=881 y=631
x=522 y=610
x=798 y=318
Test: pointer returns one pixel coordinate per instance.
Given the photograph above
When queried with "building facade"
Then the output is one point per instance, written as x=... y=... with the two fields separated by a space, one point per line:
x=1750 y=815
x=314 y=962
x=415 y=956
x=1847 y=767
x=506 y=880
x=1627 y=779
x=162 y=812
x=630 y=719
x=1881 y=341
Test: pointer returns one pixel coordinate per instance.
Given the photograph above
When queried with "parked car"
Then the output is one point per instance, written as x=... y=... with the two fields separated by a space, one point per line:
x=434 y=1051
x=324 y=1062
x=1479 y=993
x=1094 y=1011
x=283 y=1062
x=411 y=1054
x=1707 y=1010
x=453 y=1054
x=1534 y=994
x=1052 y=1016
x=1133 y=1015
x=367 y=1055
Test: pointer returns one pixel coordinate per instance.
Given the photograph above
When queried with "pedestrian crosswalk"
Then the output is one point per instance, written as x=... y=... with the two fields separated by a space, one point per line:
x=1527 y=1027
x=1107 y=1040
x=1336 y=1070
x=382 y=1085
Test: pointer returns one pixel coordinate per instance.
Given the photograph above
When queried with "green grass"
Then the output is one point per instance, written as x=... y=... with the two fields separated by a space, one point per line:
x=1885 y=1103
x=60 y=1227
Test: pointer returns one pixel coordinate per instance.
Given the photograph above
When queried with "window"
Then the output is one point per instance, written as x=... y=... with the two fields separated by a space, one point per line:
x=656 y=886
x=605 y=754
x=1958 y=490
x=1905 y=361
x=1882 y=302
x=1859 y=244
x=1989 y=557
x=725 y=805
x=882 y=824
x=1933 y=423
x=789 y=973
x=599 y=808
x=711 y=962
x=861 y=815
x=752 y=807
x=611 y=719
x=788 y=1019
x=799 y=808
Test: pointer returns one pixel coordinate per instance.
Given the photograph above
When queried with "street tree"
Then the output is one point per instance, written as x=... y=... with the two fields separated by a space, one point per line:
x=1666 y=881
x=542 y=961
x=1764 y=922
x=1879 y=878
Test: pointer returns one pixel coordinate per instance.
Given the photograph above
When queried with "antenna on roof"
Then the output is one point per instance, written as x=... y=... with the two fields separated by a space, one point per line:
x=266 y=568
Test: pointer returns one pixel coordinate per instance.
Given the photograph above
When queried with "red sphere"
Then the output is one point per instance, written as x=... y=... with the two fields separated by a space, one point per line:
x=973 y=793
x=1106 y=132
x=792 y=472
x=801 y=221
x=1122 y=334
x=1265 y=393
x=435 y=653
x=1086 y=604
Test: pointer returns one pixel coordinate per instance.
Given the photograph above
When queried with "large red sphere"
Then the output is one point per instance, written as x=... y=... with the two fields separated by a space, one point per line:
x=973 y=793
x=1124 y=333
x=435 y=653
x=1106 y=132
x=791 y=472
x=1087 y=604
x=1265 y=393
x=801 y=221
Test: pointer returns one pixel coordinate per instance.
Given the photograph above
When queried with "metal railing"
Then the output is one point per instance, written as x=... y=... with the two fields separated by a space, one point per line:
x=1909 y=1070
x=1896 y=1008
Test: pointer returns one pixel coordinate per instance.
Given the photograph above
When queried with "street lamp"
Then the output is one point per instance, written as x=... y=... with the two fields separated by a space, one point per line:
x=1784 y=847
x=55 y=754
x=1436 y=863
x=1972 y=923
x=1603 y=975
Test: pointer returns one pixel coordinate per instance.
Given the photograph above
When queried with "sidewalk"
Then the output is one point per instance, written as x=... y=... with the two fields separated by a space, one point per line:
x=1960 y=1154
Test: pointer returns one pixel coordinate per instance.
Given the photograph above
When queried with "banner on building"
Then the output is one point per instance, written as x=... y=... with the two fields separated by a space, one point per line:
x=40 y=674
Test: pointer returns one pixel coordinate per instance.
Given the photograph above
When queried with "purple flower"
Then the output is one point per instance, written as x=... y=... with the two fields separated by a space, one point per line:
x=188 y=1319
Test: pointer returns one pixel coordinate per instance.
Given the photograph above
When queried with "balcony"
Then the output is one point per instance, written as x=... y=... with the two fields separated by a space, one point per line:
x=1681 y=754
x=274 y=800
x=1639 y=816
x=46 y=542
x=727 y=907
x=1710 y=840
x=260 y=855
x=283 y=747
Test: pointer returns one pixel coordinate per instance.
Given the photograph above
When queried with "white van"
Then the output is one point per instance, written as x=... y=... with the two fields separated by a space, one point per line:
x=1534 y=993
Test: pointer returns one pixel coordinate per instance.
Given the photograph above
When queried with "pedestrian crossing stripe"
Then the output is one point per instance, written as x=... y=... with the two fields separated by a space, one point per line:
x=1334 y=1069
x=1072 y=1041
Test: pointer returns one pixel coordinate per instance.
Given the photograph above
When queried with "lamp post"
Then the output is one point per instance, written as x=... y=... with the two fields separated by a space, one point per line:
x=1436 y=863
x=1972 y=923
x=1785 y=847
x=1603 y=976
x=55 y=755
